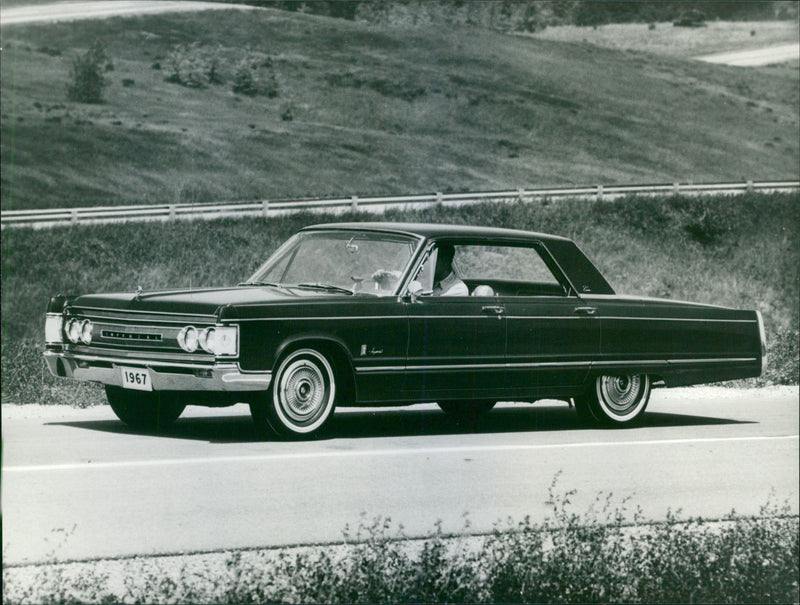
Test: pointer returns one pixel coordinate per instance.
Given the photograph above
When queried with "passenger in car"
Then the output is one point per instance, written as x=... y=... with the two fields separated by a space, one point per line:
x=445 y=281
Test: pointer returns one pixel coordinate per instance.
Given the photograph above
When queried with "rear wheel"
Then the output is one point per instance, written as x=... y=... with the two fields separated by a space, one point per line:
x=617 y=400
x=149 y=411
x=302 y=397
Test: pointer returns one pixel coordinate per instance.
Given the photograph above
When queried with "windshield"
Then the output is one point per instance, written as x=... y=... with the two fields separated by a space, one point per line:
x=340 y=261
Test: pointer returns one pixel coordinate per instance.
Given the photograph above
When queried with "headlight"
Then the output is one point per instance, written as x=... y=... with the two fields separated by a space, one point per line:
x=86 y=332
x=52 y=328
x=220 y=340
x=187 y=339
x=207 y=338
x=74 y=331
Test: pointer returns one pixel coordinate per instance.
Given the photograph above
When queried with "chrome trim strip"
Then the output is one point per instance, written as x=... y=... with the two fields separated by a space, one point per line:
x=547 y=364
x=466 y=366
x=480 y=316
x=125 y=311
x=549 y=316
x=328 y=318
x=236 y=377
x=141 y=322
x=134 y=361
x=720 y=360
x=631 y=362
x=219 y=377
x=371 y=369
x=679 y=319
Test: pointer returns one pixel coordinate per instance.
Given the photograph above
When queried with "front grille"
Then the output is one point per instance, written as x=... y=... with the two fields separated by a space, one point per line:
x=137 y=333
x=116 y=335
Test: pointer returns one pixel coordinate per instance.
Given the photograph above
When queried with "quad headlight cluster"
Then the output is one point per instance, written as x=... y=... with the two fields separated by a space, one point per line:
x=79 y=331
x=217 y=340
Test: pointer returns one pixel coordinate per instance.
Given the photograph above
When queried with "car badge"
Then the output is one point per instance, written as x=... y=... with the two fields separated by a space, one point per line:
x=138 y=293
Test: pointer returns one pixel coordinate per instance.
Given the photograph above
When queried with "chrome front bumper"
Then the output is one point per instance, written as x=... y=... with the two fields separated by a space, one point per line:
x=164 y=375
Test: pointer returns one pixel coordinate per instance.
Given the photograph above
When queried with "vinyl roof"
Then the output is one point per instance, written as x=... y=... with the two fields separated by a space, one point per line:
x=435 y=231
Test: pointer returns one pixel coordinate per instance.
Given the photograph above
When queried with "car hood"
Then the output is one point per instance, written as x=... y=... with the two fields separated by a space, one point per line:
x=199 y=301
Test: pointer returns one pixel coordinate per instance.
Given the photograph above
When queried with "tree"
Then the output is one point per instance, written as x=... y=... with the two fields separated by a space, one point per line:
x=86 y=77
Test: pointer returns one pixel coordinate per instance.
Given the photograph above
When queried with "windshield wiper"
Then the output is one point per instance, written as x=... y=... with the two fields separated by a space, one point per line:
x=259 y=283
x=327 y=287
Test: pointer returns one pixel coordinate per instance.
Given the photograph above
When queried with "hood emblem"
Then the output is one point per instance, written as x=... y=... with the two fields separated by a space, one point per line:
x=138 y=293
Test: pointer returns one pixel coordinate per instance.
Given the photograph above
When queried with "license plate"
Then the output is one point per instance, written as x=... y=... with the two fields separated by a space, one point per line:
x=136 y=378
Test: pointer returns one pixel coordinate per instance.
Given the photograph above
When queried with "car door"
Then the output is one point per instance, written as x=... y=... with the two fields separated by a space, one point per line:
x=456 y=348
x=552 y=341
x=552 y=337
x=456 y=344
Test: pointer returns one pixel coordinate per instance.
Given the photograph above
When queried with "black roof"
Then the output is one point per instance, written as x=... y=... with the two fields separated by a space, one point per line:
x=435 y=231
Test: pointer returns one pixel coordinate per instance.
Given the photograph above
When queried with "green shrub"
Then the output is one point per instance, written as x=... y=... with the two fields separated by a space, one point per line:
x=86 y=75
x=605 y=555
x=783 y=364
x=194 y=66
x=27 y=380
x=255 y=75
x=245 y=78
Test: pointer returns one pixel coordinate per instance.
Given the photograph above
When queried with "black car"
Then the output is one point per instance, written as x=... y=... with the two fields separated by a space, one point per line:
x=360 y=314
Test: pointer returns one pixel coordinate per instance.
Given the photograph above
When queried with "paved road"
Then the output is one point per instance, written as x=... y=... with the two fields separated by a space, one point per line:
x=212 y=484
x=755 y=57
x=71 y=11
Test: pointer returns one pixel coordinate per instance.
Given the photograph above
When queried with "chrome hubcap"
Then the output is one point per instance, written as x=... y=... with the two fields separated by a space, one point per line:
x=621 y=393
x=303 y=391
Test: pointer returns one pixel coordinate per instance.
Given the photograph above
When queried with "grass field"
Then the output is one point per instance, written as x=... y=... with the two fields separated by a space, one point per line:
x=363 y=109
x=735 y=251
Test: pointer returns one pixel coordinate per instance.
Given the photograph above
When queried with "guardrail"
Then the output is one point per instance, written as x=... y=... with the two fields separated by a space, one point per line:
x=110 y=214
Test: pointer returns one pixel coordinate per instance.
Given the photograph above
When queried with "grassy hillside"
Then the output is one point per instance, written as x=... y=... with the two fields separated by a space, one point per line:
x=686 y=42
x=740 y=252
x=360 y=109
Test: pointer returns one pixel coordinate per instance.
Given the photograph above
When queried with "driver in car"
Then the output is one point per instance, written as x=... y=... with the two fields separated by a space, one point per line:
x=445 y=281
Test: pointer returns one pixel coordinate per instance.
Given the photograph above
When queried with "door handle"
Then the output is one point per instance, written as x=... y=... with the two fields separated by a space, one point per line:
x=586 y=310
x=496 y=310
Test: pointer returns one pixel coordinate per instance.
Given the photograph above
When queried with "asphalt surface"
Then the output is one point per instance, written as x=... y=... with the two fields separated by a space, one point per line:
x=77 y=484
x=71 y=11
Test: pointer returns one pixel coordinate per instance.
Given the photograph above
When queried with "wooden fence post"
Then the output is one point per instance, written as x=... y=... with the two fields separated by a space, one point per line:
x=265 y=208
x=354 y=203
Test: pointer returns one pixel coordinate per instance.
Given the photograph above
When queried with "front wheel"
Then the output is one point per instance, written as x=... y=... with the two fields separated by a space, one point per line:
x=615 y=400
x=302 y=396
x=148 y=411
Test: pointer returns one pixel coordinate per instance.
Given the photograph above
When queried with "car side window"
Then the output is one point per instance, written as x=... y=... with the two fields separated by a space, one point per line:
x=506 y=270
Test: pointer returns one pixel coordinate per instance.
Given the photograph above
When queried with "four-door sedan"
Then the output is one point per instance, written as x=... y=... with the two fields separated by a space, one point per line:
x=367 y=314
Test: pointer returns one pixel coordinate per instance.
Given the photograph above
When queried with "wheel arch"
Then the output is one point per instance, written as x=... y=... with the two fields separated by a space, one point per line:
x=334 y=350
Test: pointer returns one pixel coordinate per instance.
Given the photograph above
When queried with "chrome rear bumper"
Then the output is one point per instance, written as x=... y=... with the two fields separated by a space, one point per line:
x=164 y=375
